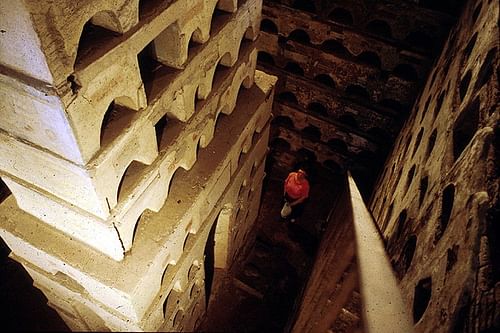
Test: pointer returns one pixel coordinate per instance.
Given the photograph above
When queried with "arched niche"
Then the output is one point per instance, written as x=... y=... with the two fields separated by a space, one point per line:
x=115 y=120
x=287 y=96
x=370 y=58
x=280 y=144
x=447 y=201
x=335 y=47
x=96 y=32
x=421 y=298
x=294 y=68
x=312 y=133
x=317 y=108
x=341 y=15
x=300 y=36
x=325 y=80
x=268 y=26
x=338 y=145
x=358 y=92
x=465 y=127
x=486 y=71
x=283 y=121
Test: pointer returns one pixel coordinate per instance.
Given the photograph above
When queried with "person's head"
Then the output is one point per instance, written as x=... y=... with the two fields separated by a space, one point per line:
x=301 y=174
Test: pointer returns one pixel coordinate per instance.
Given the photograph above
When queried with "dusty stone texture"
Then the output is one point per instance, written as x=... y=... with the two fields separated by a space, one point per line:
x=56 y=28
x=134 y=293
x=143 y=171
x=340 y=60
x=346 y=72
x=52 y=34
x=437 y=200
x=114 y=73
x=107 y=69
x=93 y=188
x=337 y=107
x=101 y=190
x=178 y=143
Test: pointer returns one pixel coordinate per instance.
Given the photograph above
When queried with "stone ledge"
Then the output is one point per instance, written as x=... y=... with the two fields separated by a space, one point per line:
x=121 y=285
x=149 y=185
x=101 y=82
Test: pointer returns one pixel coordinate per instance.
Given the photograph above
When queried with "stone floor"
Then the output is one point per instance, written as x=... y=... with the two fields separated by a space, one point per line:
x=258 y=297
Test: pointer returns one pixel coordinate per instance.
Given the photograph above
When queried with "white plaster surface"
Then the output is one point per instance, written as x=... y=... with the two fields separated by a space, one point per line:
x=96 y=192
x=20 y=47
x=149 y=186
x=130 y=285
x=113 y=73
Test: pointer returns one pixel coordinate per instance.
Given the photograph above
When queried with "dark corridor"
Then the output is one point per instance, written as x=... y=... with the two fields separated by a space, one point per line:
x=259 y=294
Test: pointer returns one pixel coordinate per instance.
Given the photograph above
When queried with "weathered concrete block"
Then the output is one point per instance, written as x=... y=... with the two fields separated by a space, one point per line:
x=52 y=30
x=182 y=290
x=131 y=285
x=67 y=295
x=33 y=113
x=221 y=246
x=75 y=223
x=176 y=92
x=73 y=130
x=181 y=300
x=93 y=188
x=145 y=187
x=102 y=184
x=49 y=34
x=114 y=93
x=171 y=46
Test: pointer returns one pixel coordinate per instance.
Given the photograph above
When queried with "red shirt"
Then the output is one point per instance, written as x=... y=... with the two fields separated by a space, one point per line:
x=296 y=188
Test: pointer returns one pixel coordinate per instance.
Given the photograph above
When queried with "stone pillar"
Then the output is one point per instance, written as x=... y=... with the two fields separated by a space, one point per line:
x=121 y=154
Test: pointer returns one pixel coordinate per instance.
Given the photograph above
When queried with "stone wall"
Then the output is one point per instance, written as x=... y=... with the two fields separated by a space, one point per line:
x=437 y=199
x=349 y=72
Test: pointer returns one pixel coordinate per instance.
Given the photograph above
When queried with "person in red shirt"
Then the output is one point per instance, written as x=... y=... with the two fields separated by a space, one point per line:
x=296 y=192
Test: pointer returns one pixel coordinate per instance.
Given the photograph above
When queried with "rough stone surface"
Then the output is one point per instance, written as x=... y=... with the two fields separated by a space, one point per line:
x=178 y=144
x=97 y=187
x=162 y=239
x=435 y=191
x=348 y=66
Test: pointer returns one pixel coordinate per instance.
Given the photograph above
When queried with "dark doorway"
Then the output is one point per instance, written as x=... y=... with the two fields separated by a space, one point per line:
x=209 y=262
